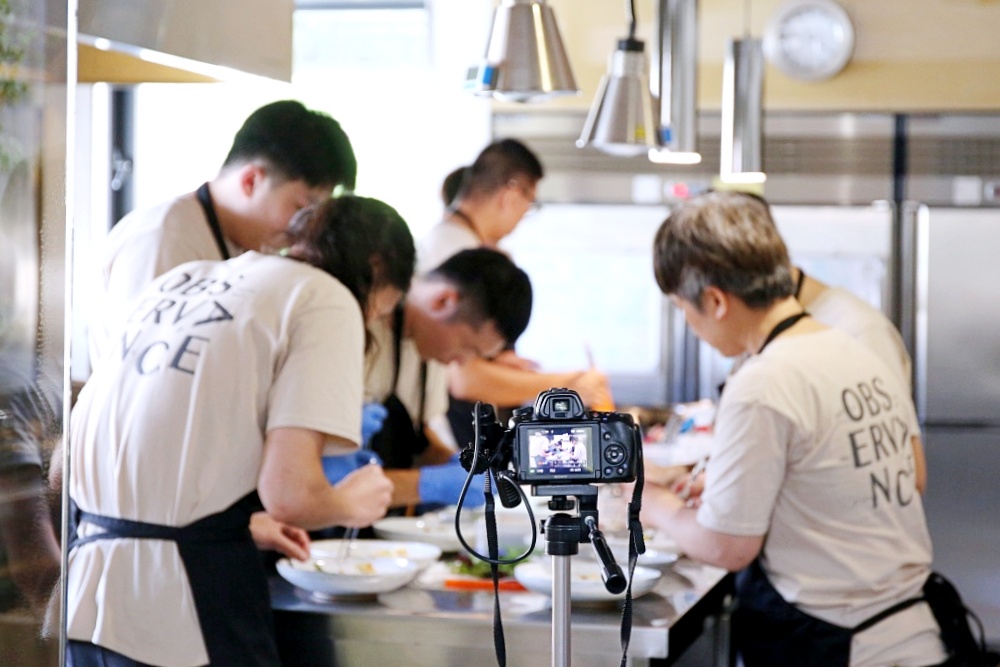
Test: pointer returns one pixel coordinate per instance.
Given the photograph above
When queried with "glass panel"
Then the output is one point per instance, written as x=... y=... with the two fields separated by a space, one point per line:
x=595 y=299
x=33 y=112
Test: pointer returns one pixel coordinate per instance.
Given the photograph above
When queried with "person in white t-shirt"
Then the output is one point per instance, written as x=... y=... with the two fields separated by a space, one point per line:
x=226 y=383
x=470 y=307
x=485 y=202
x=811 y=487
x=284 y=157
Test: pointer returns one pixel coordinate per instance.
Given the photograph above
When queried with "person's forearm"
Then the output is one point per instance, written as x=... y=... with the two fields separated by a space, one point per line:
x=406 y=487
x=666 y=511
x=500 y=384
x=295 y=491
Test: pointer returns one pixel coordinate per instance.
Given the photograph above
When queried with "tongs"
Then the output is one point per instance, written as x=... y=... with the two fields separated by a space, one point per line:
x=347 y=541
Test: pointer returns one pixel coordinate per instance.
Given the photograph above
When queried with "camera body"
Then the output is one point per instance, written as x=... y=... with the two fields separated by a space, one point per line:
x=559 y=442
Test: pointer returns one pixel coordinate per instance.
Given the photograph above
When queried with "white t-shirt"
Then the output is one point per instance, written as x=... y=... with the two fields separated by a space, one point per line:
x=170 y=429
x=379 y=369
x=444 y=239
x=838 y=308
x=143 y=245
x=812 y=449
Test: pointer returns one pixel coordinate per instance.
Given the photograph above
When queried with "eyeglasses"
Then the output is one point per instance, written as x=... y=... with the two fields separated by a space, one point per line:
x=533 y=204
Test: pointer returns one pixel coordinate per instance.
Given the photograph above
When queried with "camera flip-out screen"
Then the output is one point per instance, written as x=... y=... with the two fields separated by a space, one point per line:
x=560 y=451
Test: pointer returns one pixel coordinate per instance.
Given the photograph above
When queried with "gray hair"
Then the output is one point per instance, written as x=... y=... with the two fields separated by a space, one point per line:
x=727 y=240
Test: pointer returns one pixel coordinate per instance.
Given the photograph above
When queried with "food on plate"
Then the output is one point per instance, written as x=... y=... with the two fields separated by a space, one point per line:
x=347 y=566
x=473 y=567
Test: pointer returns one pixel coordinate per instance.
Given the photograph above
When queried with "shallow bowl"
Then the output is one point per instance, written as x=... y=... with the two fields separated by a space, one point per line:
x=350 y=576
x=421 y=553
x=586 y=584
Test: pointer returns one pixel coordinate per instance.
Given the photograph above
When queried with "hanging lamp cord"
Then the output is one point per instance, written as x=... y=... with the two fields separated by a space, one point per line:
x=630 y=13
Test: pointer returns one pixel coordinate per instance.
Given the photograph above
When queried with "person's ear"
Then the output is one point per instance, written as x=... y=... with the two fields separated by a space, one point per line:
x=444 y=303
x=251 y=177
x=507 y=196
x=715 y=302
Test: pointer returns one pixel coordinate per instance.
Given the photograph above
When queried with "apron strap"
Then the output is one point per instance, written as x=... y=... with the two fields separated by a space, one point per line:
x=230 y=525
x=205 y=199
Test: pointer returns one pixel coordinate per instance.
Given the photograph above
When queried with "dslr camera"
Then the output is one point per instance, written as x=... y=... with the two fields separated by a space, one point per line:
x=558 y=441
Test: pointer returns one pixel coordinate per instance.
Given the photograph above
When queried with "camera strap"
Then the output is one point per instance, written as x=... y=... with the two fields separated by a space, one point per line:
x=636 y=546
x=493 y=546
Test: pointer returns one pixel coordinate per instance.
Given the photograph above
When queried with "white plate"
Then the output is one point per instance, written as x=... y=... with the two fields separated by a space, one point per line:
x=352 y=576
x=419 y=552
x=436 y=529
x=656 y=555
x=586 y=584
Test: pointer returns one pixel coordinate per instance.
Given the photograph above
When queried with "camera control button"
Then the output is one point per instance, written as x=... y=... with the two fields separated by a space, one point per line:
x=614 y=454
x=609 y=471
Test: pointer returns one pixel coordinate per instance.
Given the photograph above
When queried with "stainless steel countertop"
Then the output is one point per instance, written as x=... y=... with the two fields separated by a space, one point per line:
x=420 y=625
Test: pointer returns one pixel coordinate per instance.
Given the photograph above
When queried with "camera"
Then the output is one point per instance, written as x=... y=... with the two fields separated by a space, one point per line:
x=558 y=441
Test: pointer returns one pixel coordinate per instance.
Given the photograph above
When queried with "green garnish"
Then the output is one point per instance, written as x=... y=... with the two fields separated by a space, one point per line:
x=473 y=567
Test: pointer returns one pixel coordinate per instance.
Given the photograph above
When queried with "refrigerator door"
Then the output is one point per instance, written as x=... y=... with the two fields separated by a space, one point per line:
x=961 y=500
x=957 y=350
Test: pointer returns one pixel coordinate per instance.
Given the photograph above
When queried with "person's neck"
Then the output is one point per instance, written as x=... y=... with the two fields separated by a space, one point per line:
x=474 y=218
x=236 y=229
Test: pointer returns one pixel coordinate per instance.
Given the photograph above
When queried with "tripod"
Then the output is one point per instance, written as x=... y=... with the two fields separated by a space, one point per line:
x=563 y=534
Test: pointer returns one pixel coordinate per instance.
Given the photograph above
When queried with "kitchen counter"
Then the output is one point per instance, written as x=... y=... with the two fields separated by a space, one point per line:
x=427 y=625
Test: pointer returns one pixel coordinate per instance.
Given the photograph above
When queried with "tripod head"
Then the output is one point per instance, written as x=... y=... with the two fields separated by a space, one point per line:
x=564 y=532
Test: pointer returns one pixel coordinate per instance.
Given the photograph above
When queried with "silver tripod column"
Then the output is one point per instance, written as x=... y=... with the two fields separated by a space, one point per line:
x=562 y=542
x=561 y=640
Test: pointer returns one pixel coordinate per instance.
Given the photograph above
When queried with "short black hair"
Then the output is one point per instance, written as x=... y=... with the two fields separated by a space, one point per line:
x=298 y=144
x=494 y=168
x=492 y=288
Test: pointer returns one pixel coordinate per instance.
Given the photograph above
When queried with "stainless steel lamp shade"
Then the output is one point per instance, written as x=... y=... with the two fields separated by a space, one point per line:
x=742 y=112
x=525 y=58
x=673 y=80
x=620 y=121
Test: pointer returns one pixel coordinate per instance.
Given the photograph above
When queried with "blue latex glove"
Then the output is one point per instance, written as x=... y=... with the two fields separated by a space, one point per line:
x=372 y=417
x=337 y=468
x=443 y=484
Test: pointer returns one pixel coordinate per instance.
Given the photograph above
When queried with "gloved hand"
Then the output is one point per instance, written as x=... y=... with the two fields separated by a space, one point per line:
x=337 y=468
x=372 y=417
x=443 y=484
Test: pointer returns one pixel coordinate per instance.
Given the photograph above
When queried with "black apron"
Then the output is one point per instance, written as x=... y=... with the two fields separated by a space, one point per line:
x=769 y=631
x=224 y=572
x=398 y=443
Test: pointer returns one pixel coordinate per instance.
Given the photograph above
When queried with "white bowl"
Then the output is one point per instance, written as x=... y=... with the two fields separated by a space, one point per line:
x=421 y=553
x=586 y=584
x=429 y=529
x=348 y=577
